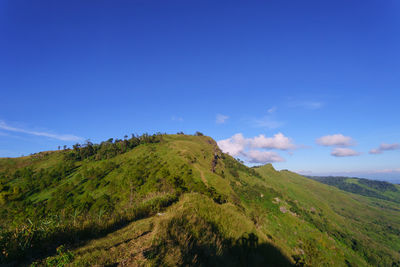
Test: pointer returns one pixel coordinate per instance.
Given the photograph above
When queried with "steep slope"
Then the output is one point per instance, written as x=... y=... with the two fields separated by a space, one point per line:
x=178 y=200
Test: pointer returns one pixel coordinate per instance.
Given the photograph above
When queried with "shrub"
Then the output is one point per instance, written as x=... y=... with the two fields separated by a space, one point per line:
x=62 y=258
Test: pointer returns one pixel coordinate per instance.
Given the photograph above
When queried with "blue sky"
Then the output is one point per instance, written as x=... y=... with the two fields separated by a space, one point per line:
x=291 y=71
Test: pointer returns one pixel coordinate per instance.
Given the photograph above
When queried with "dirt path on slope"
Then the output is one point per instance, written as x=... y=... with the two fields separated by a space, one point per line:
x=202 y=175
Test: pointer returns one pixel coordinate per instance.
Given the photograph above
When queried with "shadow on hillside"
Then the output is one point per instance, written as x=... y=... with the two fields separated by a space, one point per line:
x=75 y=237
x=246 y=251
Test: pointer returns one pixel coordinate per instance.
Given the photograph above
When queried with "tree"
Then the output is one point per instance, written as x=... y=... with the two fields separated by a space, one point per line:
x=76 y=146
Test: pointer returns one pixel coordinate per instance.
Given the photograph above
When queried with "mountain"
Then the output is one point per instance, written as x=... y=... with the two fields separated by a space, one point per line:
x=365 y=187
x=168 y=200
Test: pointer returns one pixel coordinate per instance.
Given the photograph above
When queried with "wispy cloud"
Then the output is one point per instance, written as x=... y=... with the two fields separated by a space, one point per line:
x=272 y=110
x=384 y=147
x=62 y=137
x=344 y=152
x=175 y=118
x=387 y=171
x=267 y=122
x=312 y=105
x=220 y=119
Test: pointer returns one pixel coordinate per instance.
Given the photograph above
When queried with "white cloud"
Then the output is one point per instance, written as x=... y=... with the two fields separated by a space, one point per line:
x=62 y=137
x=344 y=152
x=384 y=147
x=256 y=156
x=278 y=141
x=253 y=149
x=221 y=118
x=335 y=140
x=234 y=146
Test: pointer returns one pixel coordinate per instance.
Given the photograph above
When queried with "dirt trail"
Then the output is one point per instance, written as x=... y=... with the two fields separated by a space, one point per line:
x=202 y=175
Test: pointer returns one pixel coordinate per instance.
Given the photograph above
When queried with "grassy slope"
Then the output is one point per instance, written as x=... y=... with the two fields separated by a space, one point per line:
x=368 y=225
x=294 y=218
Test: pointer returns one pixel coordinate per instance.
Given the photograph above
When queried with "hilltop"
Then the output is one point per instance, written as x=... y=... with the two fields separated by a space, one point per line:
x=178 y=200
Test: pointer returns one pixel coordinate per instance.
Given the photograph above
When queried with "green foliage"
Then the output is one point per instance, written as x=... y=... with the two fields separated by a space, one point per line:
x=381 y=186
x=110 y=148
x=62 y=258
x=214 y=195
x=235 y=167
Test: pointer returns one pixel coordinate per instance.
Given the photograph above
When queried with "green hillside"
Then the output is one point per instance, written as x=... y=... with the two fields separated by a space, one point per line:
x=167 y=200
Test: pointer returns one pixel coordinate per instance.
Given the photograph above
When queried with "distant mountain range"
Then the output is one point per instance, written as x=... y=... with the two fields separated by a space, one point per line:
x=365 y=187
